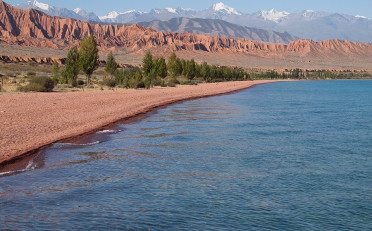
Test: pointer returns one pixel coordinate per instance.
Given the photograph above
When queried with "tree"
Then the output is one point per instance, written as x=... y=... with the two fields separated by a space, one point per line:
x=88 y=56
x=172 y=65
x=55 y=72
x=138 y=80
x=147 y=63
x=69 y=74
x=178 y=68
x=111 y=64
x=160 y=67
x=190 y=69
x=204 y=71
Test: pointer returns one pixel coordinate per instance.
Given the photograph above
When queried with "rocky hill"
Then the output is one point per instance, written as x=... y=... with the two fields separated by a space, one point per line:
x=34 y=28
x=216 y=27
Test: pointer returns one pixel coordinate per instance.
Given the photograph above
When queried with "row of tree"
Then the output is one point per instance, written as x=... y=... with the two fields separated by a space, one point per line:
x=156 y=71
x=301 y=74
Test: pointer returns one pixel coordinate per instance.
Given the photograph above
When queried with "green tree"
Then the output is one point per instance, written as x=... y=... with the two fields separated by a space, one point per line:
x=173 y=65
x=88 y=56
x=138 y=80
x=147 y=63
x=178 y=68
x=69 y=74
x=55 y=72
x=212 y=72
x=204 y=70
x=111 y=64
x=160 y=67
x=183 y=67
x=190 y=69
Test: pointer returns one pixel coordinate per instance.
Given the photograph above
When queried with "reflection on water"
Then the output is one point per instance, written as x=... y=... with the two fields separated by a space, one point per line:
x=281 y=156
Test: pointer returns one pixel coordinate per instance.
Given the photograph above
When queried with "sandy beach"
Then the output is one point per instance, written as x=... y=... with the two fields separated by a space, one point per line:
x=32 y=121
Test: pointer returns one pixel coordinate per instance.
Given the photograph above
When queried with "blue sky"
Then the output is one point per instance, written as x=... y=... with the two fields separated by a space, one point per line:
x=102 y=7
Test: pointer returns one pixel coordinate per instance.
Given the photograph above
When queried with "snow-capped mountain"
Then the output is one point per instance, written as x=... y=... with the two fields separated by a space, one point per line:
x=217 y=11
x=87 y=16
x=134 y=16
x=61 y=12
x=222 y=8
x=115 y=17
x=274 y=15
x=307 y=24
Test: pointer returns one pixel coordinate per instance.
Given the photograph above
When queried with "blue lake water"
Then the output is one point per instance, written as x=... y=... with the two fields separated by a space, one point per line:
x=280 y=156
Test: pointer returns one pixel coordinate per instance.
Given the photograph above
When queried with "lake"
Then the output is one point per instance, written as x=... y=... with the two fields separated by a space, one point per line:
x=279 y=156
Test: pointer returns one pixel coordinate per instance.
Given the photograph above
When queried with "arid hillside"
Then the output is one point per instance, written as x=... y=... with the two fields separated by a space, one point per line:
x=36 y=29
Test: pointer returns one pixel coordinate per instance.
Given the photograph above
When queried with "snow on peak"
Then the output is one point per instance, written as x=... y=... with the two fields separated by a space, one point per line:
x=222 y=7
x=274 y=15
x=114 y=14
x=360 y=16
x=77 y=10
x=40 y=5
x=171 y=10
x=111 y=15
x=129 y=11
x=308 y=13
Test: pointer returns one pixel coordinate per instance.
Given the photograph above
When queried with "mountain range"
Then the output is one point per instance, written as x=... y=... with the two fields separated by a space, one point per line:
x=217 y=27
x=77 y=13
x=307 y=24
x=35 y=28
x=43 y=33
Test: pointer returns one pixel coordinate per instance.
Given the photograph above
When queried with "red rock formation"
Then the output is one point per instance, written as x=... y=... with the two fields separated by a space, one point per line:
x=34 y=28
x=47 y=60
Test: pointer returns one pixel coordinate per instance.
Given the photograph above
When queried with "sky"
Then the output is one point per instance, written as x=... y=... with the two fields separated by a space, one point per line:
x=103 y=7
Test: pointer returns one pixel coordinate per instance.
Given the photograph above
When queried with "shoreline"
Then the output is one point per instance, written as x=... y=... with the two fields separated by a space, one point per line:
x=34 y=121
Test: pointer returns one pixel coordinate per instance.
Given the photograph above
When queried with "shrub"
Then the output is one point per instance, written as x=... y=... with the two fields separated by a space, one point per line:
x=80 y=82
x=174 y=80
x=141 y=84
x=109 y=82
x=32 y=87
x=39 y=84
x=189 y=82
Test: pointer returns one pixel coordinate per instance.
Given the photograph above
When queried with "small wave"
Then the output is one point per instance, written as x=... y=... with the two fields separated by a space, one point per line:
x=30 y=166
x=61 y=145
x=9 y=173
x=108 y=131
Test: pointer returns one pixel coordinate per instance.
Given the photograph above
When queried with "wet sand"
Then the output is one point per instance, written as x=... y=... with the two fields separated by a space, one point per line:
x=30 y=122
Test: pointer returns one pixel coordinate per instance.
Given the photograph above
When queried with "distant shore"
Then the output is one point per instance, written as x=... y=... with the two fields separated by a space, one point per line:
x=31 y=122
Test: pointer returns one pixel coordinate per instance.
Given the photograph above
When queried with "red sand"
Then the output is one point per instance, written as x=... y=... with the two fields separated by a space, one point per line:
x=35 y=120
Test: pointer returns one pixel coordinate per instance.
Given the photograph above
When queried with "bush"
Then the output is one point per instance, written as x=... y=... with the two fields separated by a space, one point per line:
x=189 y=82
x=109 y=82
x=39 y=84
x=174 y=80
x=171 y=84
x=80 y=82
x=141 y=84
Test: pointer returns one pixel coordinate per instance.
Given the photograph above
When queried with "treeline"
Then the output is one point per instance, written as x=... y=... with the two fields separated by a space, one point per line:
x=313 y=75
x=156 y=71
